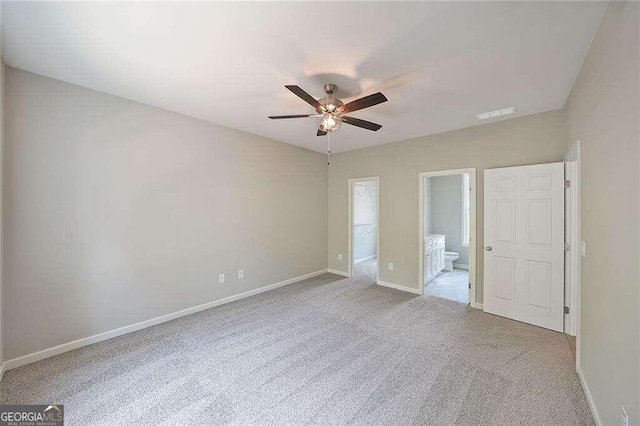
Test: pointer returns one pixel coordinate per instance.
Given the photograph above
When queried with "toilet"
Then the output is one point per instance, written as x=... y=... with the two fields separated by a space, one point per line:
x=449 y=258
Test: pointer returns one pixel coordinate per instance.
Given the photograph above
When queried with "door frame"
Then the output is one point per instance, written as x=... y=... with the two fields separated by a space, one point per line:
x=573 y=282
x=472 y=228
x=351 y=183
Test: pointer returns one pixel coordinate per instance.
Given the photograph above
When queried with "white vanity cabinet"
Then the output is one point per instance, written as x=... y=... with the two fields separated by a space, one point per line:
x=434 y=248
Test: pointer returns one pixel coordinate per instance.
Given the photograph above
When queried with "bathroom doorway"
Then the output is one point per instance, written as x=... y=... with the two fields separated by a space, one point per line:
x=447 y=235
x=363 y=229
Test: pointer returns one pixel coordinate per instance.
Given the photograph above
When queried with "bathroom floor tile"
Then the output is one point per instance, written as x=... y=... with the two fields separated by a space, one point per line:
x=450 y=285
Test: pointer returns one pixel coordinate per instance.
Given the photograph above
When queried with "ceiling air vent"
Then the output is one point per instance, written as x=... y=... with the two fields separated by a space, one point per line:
x=496 y=113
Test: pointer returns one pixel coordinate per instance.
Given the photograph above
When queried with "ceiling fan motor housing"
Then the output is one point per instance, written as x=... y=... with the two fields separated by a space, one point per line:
x=329 y=104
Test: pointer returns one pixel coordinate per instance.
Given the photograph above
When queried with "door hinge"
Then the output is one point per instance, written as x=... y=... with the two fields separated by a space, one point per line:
x=469 y=286
x=567 y=184
x=567 y=247
x=566 y=309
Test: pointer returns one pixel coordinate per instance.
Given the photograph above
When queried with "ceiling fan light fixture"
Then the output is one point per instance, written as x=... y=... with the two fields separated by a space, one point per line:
x=329 y=122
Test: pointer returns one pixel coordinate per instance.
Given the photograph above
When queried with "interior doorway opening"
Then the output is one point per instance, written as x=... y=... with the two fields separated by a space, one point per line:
x=363 y=235
x=447 y=235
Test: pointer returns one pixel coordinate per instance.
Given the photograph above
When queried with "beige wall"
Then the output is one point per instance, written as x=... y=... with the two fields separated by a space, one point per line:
x=603 y=112
x=537 y=138
x=118 y=212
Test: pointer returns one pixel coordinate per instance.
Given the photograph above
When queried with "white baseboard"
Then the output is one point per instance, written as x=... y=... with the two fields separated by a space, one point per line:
x=335 y=271
x=477 y=305
x=587 y=393
x=461 y=266
x=364 y=259
x=85 y=341
x=3 y=367
x=399 y=287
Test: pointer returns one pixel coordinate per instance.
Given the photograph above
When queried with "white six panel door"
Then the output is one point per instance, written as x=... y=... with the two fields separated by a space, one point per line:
x=524 y=244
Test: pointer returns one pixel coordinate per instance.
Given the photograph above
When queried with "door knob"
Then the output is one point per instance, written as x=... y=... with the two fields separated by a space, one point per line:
x=489 y=249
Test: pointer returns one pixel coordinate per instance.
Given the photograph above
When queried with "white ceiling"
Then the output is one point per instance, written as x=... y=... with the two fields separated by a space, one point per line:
x=439 y=64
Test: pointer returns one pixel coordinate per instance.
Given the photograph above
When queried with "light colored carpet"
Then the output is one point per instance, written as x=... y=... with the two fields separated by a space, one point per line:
x=326 y=350
x=367 y=270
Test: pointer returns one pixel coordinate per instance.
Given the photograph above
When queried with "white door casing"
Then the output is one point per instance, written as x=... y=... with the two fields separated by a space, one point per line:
x=573 y=256
x=568 y=264
x=524 y=244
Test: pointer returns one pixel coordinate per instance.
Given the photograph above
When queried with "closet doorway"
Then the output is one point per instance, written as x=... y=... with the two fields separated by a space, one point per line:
x=363 y=228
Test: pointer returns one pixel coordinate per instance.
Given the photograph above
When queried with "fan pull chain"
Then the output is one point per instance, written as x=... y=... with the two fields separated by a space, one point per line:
x=328 y=148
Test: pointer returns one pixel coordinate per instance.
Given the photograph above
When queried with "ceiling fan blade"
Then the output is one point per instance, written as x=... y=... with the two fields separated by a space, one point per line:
x=303 y=95
x=277 y=117
x=361 y=123
x=321 y=133
x=366 y=102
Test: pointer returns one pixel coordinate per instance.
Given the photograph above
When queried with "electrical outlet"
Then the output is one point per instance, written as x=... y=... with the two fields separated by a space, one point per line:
x=391 y=266
x=583 y=249
x=625 y=417
x=340 y=256
x=221 y=278
x=241 y=274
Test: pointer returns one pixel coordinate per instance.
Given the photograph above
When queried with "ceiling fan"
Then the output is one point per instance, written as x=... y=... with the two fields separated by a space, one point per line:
x=330 y=110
